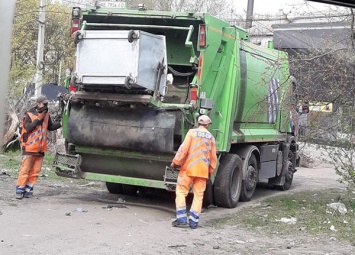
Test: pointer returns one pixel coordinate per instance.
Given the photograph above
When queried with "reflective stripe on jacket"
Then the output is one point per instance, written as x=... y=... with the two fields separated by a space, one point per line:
x=37 y=139
x=197 y=154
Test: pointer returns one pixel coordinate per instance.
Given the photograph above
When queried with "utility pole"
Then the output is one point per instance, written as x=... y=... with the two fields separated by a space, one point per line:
x=250 y=13
x=60 y=72
x=40 y=46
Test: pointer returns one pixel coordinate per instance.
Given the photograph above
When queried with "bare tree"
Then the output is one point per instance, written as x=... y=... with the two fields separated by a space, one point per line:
x=326 y=82
x=217 y=8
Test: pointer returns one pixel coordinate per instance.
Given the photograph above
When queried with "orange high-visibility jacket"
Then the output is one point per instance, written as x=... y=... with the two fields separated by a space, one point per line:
x=37 y=139
x=197 y=154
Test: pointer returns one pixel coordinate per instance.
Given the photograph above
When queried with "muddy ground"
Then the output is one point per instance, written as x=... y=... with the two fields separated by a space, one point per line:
x=69 y=217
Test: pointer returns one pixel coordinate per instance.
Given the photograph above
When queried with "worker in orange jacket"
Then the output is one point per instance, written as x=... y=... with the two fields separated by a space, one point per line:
x=197 y=160
x=35 y=124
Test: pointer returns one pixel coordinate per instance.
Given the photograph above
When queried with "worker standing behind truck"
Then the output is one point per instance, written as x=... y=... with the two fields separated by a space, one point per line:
x=197 y=159
x=35 y=124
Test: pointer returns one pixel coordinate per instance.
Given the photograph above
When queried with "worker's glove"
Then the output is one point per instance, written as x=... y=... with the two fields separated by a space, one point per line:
x=42 y=109
x=41 y=115
x=173 y=165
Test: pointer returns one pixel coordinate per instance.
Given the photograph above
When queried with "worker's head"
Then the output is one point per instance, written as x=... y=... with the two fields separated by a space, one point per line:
x=204 y=120
x=42 y=103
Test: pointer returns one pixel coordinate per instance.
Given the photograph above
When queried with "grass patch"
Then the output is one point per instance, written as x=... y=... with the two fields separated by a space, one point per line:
x=10 y=161
x=308 y=208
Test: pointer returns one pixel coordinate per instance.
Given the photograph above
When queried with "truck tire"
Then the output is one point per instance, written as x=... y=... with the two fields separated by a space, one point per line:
x=130 y=190
x=114 y=188
x=228 y=182
x=127 y=82
x=251 y=179
x=131 y=36
x=288 y=178
x=208 y=198
x=77 y=37
x=73 y=82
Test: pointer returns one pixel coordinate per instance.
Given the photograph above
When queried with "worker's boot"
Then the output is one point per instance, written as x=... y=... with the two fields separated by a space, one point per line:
x=193 y=225
x=28 y=195
x=19 y=195
x=178 y=224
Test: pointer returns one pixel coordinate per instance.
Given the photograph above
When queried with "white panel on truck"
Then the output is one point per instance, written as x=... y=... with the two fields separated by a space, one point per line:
x=107 y=58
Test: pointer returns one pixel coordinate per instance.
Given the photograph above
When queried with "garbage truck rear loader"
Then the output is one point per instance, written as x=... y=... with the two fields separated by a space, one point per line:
x=142 y=79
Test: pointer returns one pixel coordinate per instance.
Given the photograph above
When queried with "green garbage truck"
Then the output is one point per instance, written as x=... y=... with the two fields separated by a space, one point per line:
x=143 y=77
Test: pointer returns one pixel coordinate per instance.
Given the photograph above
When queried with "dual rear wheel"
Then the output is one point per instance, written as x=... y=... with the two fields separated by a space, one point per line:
x=229 y=186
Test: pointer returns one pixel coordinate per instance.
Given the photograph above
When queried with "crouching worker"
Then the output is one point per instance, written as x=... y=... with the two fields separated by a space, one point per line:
x=35 y=124
x=197 y=159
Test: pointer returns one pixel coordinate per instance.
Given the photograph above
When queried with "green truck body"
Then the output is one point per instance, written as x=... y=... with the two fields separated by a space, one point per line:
x=125 y=130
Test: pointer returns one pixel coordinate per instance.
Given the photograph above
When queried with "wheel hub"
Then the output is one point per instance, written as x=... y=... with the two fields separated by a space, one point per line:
x=250 y=178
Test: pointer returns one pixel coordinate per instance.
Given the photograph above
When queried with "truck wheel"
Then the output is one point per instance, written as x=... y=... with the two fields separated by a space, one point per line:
x=288 y=178
x=251 y=179
x=130 y=190
x=228 y=182
x=77 y=37
x=73 y=81
x=127 y=82
x=114 y=188
x=208 y=198
x=131 y=36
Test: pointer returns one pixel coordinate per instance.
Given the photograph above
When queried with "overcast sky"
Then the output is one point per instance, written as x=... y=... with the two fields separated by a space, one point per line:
x=273 y=6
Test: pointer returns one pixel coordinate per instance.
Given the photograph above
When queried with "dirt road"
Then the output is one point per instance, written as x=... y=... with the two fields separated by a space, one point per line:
x=68 y=218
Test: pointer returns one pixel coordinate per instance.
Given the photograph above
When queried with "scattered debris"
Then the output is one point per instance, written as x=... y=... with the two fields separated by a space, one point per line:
x=88 y=184
x=44 y=175
x=3 y=172
x=212 y=206
x=177 y=246
x=338 y=206
x=216 y=247
x=256 y=205
x=332 y=238
x=80 y=210
x=140 y=220
x=290 y=221
x=120 y=200
x=68 y=214
x=240 y=242
x=307 y=161
x=115 y=206
x=302 y=229
x=332 y=228
x=56 y=185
